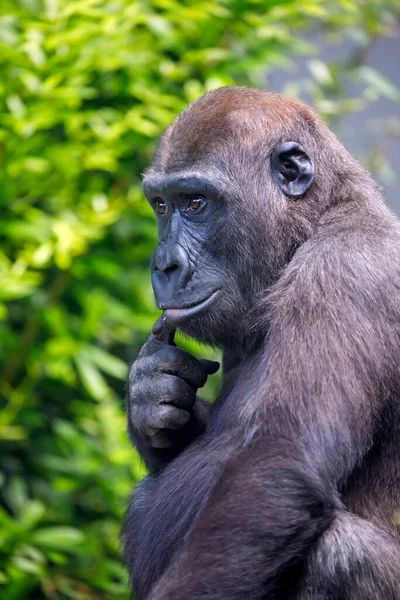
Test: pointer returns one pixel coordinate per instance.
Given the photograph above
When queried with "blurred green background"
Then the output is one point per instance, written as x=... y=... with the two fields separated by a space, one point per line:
x=86 y=88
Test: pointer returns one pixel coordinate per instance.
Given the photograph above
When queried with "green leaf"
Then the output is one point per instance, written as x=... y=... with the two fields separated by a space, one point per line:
x=32 y=514
x=91 y=378
x=58 y=538
x=112 y=365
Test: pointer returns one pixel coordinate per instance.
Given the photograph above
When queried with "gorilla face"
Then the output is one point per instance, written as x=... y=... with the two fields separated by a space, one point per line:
x=194 y=283
x=213 y=227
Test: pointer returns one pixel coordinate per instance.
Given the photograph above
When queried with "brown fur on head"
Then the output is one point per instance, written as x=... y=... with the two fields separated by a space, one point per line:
x=235 y=129
x=214 y=123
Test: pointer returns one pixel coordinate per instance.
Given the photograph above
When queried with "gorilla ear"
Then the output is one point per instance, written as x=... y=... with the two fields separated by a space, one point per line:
x=292 y=169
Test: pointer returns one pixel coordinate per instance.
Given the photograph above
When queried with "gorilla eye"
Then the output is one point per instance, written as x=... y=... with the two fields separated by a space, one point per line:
x=196 y=203
x=161 y=207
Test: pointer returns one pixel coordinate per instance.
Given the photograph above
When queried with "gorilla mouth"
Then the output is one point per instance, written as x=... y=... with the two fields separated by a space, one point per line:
x=183 y=312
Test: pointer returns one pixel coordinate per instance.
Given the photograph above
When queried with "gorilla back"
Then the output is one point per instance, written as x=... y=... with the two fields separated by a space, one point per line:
x=275 y=245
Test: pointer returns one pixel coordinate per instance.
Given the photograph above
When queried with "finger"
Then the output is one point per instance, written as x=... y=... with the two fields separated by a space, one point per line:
x=162 y=335
x=161 y=389
x=162 y=439
x=175 y=361
x=163 y=331
x=174 y=390
x=210 y=366
x=167 y=417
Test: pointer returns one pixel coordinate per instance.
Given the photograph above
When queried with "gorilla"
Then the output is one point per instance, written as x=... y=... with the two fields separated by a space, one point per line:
x=277 y=247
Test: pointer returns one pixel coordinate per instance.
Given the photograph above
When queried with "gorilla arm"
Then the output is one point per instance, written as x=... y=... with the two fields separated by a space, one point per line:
x=312 y=419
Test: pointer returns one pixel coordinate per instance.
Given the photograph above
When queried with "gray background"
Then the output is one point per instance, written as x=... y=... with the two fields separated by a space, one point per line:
x=358 y=132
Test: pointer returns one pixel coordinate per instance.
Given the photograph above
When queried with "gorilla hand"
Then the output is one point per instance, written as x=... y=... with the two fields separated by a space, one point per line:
x=163 y=381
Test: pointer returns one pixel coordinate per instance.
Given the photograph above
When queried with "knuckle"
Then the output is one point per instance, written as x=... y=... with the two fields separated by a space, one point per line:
x=132 y=372
x=175 y=356
x=136 y=370
x=186 y=358
x=173 y=418
x=136 y=402
x=133 y=394
x=183 y=396
x=169 y=354
x=142 y=392
x=174 y=387
x=149 y=347
x=141 y=370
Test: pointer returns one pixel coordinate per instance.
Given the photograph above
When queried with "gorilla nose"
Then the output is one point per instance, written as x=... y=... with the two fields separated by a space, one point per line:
x=170 y=269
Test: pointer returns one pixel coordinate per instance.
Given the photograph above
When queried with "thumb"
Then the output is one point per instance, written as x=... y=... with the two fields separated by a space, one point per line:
x=163 y=331
x=210 y=366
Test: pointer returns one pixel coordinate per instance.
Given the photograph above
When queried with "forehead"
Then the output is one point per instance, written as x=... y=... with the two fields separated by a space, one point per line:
x=221 y=123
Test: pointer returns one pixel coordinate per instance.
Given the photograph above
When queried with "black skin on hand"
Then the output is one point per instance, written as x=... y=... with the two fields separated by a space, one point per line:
x=276 y=246
x=165 y=413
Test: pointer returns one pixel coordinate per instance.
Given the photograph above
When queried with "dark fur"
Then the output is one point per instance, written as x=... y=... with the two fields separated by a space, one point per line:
x=292 y=489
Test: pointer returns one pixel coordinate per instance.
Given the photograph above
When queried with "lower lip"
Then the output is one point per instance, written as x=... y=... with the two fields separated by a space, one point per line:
x=177 y=314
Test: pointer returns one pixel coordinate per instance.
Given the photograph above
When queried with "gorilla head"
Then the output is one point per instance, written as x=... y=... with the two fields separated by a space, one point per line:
x=228 y=185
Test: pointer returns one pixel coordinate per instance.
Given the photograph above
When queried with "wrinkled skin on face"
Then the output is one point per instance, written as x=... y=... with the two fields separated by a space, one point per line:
x=190 y=279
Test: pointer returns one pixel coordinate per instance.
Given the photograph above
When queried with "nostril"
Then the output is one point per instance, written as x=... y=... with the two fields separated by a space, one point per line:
x=167 y=269
x=171 y=269
x=171 y=262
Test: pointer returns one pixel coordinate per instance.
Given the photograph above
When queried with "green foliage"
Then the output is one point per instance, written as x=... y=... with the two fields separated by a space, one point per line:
x=86 y=88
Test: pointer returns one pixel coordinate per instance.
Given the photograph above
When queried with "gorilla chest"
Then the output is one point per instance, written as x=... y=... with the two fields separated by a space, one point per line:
x=166 y=510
